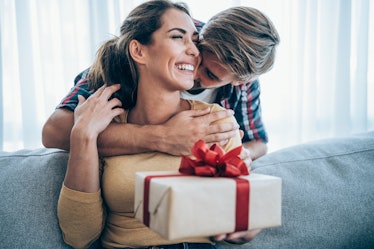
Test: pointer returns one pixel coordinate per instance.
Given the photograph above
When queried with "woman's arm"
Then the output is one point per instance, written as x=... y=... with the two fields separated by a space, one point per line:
x=80 y=208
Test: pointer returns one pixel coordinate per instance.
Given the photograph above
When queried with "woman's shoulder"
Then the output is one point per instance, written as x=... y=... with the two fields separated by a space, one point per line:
x=234 y=141
x=197 y=105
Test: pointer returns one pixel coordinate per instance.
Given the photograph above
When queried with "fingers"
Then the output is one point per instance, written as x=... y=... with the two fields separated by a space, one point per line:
x=100 y=90
x=107 y=91
x=81 y=99
x=219 y=237
x=215 y=116
x=245 y=155
x=242 y=237
x=237 y=237
x=241 y=134
x=98 y=110
x=115 y=103
x=198 y=113
x=95 y=119
x=221 y=133
x=104 y=93
x=223 y=127
x=117 y=111
x=211 y=117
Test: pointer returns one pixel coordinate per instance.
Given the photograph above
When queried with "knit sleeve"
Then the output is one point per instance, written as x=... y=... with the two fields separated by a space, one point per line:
x=81 y=217
x=234 y=141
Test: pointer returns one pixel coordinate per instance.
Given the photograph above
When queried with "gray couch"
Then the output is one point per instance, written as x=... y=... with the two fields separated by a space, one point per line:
x=327 y=196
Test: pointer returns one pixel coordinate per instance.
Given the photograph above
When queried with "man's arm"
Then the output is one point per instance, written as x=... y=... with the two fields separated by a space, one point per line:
x=252 y=150
x=176 y=137
x=256 y=149
x=56 y=131
x=245 y=99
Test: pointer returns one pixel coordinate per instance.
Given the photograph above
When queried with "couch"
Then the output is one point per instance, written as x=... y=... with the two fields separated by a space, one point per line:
x=327 y=196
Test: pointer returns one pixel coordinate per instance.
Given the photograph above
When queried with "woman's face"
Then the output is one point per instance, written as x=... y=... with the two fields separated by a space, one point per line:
x=173 y=57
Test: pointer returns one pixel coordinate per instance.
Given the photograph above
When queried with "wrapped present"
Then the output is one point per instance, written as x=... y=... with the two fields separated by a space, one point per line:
x=186 y=204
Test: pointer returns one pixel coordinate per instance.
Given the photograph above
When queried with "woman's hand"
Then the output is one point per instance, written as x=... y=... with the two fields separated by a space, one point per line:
x=95 y=113
x=237 y=237
x=91 y=117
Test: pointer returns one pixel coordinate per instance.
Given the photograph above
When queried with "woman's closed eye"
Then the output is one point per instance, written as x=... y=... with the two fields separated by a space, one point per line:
x=177 y=37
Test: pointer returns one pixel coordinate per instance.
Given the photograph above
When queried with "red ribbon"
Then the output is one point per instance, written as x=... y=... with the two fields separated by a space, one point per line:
x=242 y=204
x=147 y=185
x=213 y=161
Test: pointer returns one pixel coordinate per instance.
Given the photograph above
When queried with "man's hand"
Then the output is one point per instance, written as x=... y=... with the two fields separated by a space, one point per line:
x=245 y=155
x=183 y=130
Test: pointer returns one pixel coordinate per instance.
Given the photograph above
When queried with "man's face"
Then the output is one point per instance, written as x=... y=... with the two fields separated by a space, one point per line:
x=211 y=73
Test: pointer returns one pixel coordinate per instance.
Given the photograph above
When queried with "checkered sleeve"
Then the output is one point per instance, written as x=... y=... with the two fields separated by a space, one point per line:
x=245 y=101
x=198 y=24
x=81 y=87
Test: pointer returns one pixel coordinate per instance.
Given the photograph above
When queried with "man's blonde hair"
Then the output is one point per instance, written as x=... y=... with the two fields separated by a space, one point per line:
x=243 y=39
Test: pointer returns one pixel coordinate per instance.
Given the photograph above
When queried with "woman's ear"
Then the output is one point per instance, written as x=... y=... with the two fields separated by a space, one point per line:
x=137 y=51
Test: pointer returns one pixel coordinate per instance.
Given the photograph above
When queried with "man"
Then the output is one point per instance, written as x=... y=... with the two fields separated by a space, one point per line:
x=237 y=45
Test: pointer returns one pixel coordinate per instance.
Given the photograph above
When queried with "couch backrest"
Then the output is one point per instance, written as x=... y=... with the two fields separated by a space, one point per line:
x=30 y=182
x=327 y=194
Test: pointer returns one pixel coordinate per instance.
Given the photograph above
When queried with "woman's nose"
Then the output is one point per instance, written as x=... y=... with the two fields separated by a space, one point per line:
x=192 y=49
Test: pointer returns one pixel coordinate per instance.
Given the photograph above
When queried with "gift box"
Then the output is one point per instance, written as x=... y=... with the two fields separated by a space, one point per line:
x=179 y=206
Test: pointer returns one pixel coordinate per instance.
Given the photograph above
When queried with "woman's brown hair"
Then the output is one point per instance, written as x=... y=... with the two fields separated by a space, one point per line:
x=113 y=63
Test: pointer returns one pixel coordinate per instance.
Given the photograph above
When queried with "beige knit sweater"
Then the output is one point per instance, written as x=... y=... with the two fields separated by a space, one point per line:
x=109 y=213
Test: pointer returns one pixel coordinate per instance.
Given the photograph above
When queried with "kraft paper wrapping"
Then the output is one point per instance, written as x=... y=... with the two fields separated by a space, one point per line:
x=185 y=206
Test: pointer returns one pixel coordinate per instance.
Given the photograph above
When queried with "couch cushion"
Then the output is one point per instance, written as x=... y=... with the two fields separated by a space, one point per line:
x=327 y=194
x=30 y=182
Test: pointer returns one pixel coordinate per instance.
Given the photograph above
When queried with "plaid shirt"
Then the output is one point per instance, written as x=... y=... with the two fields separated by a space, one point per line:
x=243 y=99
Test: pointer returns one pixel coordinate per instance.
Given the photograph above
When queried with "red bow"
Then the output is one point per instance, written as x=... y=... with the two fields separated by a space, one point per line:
x=213 y=161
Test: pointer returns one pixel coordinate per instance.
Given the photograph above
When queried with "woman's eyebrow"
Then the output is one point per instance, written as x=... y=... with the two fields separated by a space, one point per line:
x=183 y=31
x=178 y=29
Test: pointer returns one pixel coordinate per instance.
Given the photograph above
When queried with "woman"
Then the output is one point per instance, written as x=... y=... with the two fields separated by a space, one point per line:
x=161 y=57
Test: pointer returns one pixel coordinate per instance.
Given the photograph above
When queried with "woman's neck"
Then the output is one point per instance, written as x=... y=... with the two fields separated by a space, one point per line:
x=156 y=107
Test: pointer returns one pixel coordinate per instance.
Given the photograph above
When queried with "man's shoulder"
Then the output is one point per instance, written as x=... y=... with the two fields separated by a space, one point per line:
x=81 y=76
x=198 y=24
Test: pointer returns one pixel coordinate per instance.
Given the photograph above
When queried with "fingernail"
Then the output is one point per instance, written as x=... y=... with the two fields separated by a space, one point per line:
x=224 y=142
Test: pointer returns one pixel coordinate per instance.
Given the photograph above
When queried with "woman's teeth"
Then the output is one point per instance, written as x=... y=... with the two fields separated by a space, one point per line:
x=185 y=67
